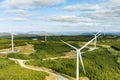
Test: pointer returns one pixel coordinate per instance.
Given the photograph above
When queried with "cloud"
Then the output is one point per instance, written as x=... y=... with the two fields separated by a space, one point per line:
x=28 y=4
x=43 y=3
x=24 y=4
x=83 y=7
x=13 y=19
x=80 y=15
x=15 y=11
x=72 y=19
x=105 y=13
x=17 y=19
x=63 y=18
x=109 y=13
x=21 y=9
x=18 y=14
x=115 y=1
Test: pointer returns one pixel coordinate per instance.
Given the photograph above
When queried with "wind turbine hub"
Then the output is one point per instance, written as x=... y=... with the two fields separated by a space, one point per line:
x=78 y=50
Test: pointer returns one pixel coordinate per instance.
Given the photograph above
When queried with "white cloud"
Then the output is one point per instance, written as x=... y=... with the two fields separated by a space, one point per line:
x=69 y=19
x=15 y=11
x=27 y=4
x=16 y=19
x=17 y=4
x=106 y=13
x=115 y=1
x=18 y=14
x=42 y=3
x=82 y=7
x=92 y=15
x=13 y=19
x=63 y=18
x=21 y=8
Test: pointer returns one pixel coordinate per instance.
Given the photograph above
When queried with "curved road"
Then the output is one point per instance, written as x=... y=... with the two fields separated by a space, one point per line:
x=57 y=75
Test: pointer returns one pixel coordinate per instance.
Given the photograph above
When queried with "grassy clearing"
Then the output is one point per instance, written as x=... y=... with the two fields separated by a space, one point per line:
x=27 y=49
x=11 y=71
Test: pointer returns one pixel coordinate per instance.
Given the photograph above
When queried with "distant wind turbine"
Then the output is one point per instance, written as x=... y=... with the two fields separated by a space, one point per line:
x=12 y=41
x=95 y=41
x=45 y=36
x=78 y=51
x=104 y=28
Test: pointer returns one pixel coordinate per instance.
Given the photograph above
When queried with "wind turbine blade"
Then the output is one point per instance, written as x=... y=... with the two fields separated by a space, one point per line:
x=92 y=33
x=82 y=62
x=87 y=44
x=69 y=45
x=104 y=31
x=97 y=33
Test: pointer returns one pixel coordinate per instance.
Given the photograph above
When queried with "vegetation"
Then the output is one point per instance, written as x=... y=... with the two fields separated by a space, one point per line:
x=18 y=56
x=6 y=43
x=50 y=49
x=99 y=64
x=116 y=45
x=56 y=38
x=11 y=71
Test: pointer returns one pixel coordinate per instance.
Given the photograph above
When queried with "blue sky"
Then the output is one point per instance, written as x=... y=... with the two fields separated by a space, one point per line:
x=59 y=15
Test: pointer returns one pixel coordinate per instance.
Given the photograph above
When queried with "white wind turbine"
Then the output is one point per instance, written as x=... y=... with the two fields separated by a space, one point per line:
x=12 y=42
x=104 y=29
x=78 y=51
x=45 y=36
x=95 y=41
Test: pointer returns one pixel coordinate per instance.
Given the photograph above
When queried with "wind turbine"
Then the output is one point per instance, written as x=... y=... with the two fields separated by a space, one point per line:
x=104 y=28
x=95 y=41
x=12 y=41
x=78 y=51
x=45 y=36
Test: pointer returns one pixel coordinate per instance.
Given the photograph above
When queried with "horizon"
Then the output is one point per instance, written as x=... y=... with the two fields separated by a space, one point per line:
x=59 y=15
x=41 y=33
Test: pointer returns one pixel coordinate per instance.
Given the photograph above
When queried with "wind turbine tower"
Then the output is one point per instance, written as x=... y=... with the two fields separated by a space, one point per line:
x=12 y=41
x=95 y=41
x=78 y=51
x=45 y=36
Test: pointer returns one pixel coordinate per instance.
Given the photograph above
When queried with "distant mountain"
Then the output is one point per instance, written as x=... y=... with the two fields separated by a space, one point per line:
x=36 y=32
x=4 y=34
x=115 y=33
x=42 y=33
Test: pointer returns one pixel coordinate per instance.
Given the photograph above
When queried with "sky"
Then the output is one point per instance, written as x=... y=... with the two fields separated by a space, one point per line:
x=59 y=15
